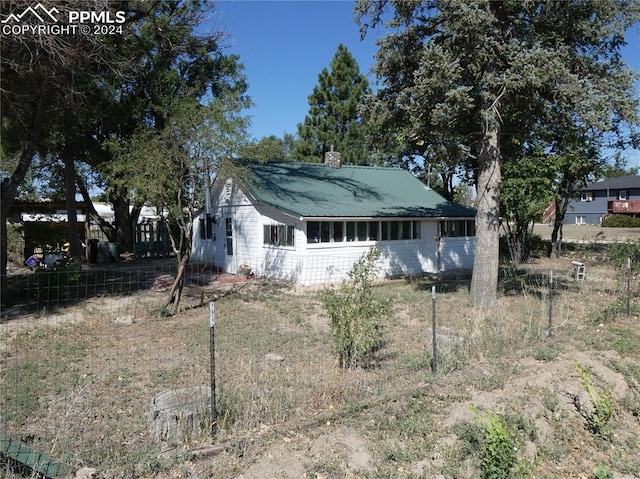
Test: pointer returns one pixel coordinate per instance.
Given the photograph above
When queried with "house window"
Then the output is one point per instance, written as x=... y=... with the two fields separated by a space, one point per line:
x=361 y=230
x=228 y=228
x=394 y=230
x=337 y=234
x=373 y=230
x=206 y=227
x=338 y=231
x=313 y=232
x=415 y=232
x=581 y=220
x=385 y=230
x=586 y=196
x=456 y=228
x=325 y=231
x=278 y=235
x=622 y=195
x=471 y=227
x=351 y=231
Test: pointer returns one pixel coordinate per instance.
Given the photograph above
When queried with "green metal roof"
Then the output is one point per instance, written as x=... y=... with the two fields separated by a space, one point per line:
x=316 y=190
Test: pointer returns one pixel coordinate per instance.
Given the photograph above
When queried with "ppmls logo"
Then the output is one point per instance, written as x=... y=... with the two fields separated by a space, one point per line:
x=40 y=20
x=34 y=12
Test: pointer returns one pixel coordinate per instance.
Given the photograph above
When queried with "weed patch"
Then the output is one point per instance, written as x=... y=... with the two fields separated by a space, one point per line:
x=603 y=408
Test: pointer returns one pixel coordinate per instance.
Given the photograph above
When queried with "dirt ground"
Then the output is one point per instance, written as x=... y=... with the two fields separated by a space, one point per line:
x=302 y=417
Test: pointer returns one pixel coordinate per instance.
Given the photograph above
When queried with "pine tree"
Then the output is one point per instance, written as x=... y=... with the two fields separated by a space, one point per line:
x=334 y=119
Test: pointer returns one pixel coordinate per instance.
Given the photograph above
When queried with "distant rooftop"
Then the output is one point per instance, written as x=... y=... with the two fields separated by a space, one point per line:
x=618 y=183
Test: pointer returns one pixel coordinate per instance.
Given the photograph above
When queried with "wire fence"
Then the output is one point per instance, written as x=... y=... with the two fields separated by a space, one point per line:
x=92 y=374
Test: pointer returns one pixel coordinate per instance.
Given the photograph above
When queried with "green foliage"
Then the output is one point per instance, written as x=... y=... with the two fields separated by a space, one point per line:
x=15 y=242
x=618 y=253
x=498 y=448
x=526 y=191
x=60 y=274
x=603 y=406
x=621 y=221
x=602 y=472
x=269 y=148
x=619 y=167
x=356 y=314
x=334 y=117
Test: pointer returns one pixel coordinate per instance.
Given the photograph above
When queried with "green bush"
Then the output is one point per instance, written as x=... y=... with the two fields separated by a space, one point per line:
x=15 y=243
x=603 y=407
x=621 y=221
x=356 y=314
x=619 y=252
x=498 y=449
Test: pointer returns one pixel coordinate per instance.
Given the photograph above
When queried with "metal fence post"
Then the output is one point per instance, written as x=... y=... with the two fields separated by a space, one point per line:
x=212 y=349
x=628 y=286
x=434 y=359
x=550 y=331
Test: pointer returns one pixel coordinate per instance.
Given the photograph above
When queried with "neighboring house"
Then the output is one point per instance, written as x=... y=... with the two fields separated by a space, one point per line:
x=309 y=222
x=619 y=195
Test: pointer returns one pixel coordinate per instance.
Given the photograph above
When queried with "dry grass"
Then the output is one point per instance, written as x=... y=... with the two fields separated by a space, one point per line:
x=81 y=390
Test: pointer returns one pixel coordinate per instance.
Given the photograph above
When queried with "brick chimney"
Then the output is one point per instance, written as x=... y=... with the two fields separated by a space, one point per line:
x=332 y=158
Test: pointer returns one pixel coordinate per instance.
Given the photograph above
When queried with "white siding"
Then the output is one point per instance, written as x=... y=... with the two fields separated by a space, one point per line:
x=457 y=252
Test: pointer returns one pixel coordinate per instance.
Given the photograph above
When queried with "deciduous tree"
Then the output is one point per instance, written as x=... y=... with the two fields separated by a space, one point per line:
x=175 y=163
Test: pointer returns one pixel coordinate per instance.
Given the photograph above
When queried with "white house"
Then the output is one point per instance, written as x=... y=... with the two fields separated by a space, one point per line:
x=309 y=222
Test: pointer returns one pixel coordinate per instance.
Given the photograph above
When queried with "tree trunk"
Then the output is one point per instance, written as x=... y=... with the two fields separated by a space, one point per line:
x=70 y=194
x=108 y=229
x=484 y=282
x=123 y=223
x=9 y=186
x=175 y=294
x=183 y=253
x=556 y=234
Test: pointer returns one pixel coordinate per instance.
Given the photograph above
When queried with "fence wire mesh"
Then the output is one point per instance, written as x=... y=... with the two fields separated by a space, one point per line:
x=93 y=374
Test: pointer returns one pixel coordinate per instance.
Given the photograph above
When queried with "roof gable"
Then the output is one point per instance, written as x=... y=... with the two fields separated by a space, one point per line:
x=316 y=190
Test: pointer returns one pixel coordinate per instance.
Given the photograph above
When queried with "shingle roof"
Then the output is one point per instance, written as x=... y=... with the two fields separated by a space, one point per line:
x=620 y=182
x=316 y=190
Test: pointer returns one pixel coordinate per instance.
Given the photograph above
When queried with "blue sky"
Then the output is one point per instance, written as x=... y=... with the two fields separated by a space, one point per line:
x=284 y=44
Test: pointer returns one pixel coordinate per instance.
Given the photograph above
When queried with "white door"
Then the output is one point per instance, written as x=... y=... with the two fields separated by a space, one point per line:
x=229 y=246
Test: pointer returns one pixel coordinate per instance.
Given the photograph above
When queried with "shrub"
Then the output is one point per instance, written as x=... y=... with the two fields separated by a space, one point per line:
x=15 y=243
x=603 y=408
x=498 y=449
x=621 y=221
x=619 y=252
x=356 y=314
